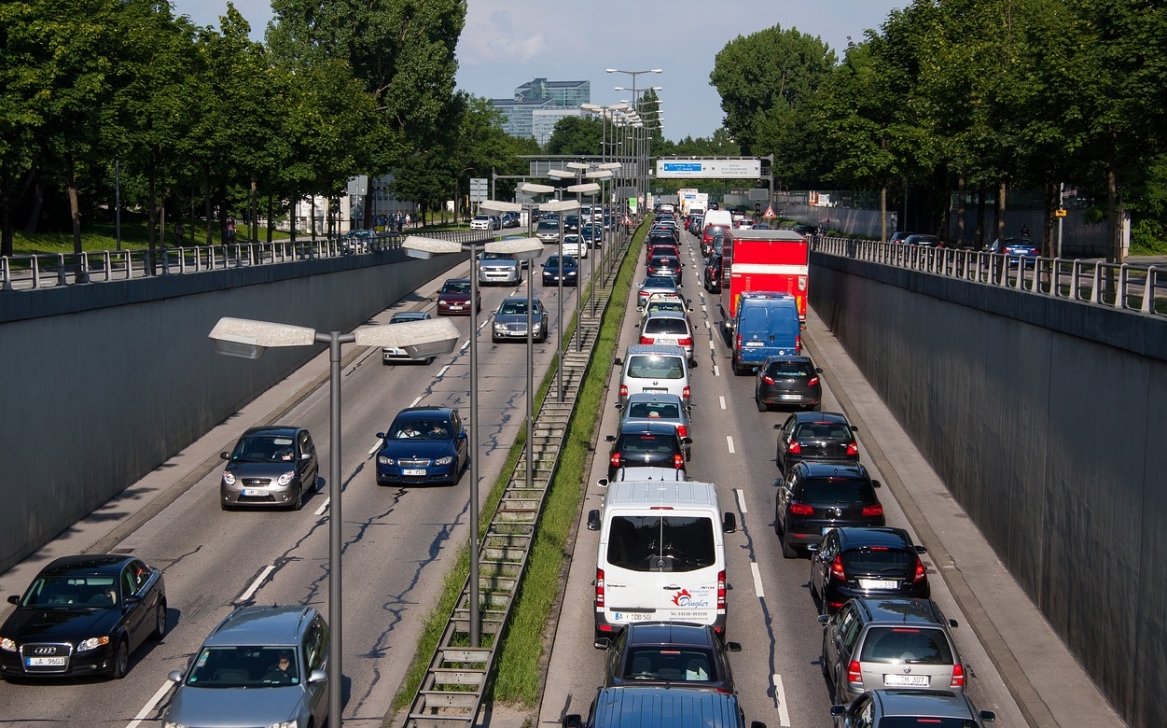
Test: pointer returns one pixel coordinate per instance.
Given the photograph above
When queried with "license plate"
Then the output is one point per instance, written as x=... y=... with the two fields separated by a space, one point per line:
x=455 y=308
x=915 y=681
x=878 y=584
x=753 y=343
x=45 y=661
x=790 y=396
x=632 y=616
x=413 y=471
x=254 y=492
x=656 y=390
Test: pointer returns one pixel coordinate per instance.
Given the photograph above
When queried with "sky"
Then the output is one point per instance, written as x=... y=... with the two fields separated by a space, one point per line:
x=508 y=42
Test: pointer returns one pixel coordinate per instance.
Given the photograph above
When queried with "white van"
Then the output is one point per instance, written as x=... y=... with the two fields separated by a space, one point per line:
x=654 y=368
x=661 y=556
x=717 y=217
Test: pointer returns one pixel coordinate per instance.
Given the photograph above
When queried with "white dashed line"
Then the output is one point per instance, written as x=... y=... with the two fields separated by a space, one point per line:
x=323 y=507
x=716 y=372
x=414 y=402
x=721 y=401
x=704 y=309
x=757 y=580
x=708 y=326
x=710 y=346
x=741 y=500
x=466 y=345
x=780 y=699
x=729 y=442
x=443 y=370
x=148 y=708
x=251 y=590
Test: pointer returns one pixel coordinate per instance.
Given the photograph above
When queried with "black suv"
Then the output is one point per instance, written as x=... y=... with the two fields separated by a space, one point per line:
x=816 y=497
x=653 y=445
x=866 y=562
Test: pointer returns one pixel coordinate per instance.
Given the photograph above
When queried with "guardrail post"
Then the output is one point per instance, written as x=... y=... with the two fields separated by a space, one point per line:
x=1149 y=289
x=1094 y=297
x=1120 y=293
x=5 y=274
x=82 y=275
x=61 y=279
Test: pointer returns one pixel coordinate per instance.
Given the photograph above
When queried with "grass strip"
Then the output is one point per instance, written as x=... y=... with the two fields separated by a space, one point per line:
x=455 y=580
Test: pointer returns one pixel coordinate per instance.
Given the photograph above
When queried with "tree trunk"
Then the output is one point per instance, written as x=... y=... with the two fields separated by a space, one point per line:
x=883 y=214
x=38 y=201
x=221 y=199
x=1113 y=225
x=979 y=233
x=151 y=217
x=270 y=217
x=1000 y=218
x=312 y=212
x=252 y=223
x=960 y=192
x=207 y=202
x=1052 y=200
x=74 y=202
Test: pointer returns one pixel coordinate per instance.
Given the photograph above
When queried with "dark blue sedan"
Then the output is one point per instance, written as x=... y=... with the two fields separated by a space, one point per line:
x=552 y=272
x=424 y=445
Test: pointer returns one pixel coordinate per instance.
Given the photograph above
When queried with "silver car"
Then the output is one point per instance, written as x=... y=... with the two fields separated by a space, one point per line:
x=393 y=355
x=499 y=268
x=644 y=407
x=671 y=328
x=272 y=466
x=261 y=666
x=510 y=320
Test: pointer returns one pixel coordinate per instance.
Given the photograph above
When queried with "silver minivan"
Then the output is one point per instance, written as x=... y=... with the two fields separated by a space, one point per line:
x=654 y=368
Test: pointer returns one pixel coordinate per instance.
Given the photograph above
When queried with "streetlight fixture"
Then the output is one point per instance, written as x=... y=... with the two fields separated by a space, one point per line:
x=560 y=206
x=249 y=339
x=590 y=188
x=530 y=188
x=600 y=174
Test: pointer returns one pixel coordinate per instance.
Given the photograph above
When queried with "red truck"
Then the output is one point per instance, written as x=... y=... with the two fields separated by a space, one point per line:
x=763 y=260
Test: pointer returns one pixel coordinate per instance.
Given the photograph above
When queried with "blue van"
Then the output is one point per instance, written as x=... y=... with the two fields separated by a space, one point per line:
x=766 y=324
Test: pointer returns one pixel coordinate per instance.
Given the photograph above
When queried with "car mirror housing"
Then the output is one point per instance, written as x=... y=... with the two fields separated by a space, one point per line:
x=733 y=647
x=824 y=619
x=14 y=599
x=594 y=520
x=317 y=676
x=175 y=676
x=729 y=523
x=224 y=456
x=876 y=484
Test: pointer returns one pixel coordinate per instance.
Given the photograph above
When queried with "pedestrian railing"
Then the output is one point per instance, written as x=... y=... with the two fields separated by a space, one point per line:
x=1126 y=287
x=50 y=270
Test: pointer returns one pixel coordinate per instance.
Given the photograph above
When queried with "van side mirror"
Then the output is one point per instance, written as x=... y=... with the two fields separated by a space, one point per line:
x=593 y=520
x=876 y=484
x=921 y=550
x=617 y=362
x=729 y=524
x=988 y=716
x=572 y=720
x=602 y=482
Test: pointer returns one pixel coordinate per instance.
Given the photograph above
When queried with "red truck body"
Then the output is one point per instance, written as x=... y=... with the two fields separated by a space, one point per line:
x=763 y=260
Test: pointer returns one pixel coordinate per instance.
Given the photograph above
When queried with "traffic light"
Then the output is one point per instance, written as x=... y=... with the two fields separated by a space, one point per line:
x=757 y=208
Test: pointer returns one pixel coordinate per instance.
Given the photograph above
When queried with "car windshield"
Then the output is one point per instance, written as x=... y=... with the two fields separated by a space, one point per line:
x=264 y=449
x=456 y=287
x=659 y=282
x=672 y=664
x=644 y=366
x=511 y=308
x=647 y=444
x=914 y=645
x=420 y=430
x=664 y=410
x=837 y=491
x=653 y=543
x=553 y=261
x=548 y=226
x=244 y=667
x=400 y=318
x=497 y=256
x=665 y=306
x=660 y=325
x=69 y=591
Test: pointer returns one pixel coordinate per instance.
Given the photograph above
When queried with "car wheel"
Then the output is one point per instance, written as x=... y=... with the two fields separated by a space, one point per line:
x=737 y=369
x=788 y=551
x=121 y=660
x=762 y=406
x=159 y=622
x=823 y=661
x=319 y=484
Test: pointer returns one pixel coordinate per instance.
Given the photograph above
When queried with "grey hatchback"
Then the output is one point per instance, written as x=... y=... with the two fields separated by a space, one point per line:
x=270 y=466
x=899 y=708
x=259 y=666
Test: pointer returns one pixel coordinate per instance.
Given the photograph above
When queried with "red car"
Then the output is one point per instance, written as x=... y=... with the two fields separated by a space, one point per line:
x=454 y=298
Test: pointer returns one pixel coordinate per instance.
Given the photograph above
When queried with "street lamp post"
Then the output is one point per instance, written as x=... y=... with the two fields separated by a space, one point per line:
x=532 y=189
x=560 y=206
x=249 y=339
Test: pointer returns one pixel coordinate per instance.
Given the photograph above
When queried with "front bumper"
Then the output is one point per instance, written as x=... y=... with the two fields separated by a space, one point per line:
x=90 y=662
x=273 y=496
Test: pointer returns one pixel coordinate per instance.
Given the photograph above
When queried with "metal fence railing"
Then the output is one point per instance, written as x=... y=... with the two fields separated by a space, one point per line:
x=33 y=272
x=1136 y=288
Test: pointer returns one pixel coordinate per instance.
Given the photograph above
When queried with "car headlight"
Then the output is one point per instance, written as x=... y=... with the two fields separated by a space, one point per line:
x=286 y=478
x=92 y=643
x=444 y=461
x=498 y=326
x=172 y=724
x=384 y=460
x=228 y=477
x=284 y=724
x=7 y=645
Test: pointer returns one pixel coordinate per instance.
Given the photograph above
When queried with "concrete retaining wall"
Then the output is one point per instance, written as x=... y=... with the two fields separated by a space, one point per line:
x=105 y=382
x=1046 y=420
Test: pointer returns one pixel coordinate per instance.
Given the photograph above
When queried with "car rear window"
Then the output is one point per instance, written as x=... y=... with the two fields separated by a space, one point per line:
x=913 y=722
x=823 y=431
x=666 y=410
x=655 y=543
x=879 y=559
x=686 y=664
x=913 y=645
x=643 y=443
x=788 y=368
x=644 y=366
x=666 y=326
x=836 y=491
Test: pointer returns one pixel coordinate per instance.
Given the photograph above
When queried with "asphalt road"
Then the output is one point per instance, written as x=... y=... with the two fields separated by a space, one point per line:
x=398 y=541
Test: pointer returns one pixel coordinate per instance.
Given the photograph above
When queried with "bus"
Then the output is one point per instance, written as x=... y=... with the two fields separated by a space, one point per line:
x=763 y=260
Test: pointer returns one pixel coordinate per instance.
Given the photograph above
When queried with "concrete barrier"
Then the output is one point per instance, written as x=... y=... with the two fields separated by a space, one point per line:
x=1046 y=420
x=102 y=383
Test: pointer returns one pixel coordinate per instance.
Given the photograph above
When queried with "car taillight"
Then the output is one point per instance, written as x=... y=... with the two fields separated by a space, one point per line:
x=852 y=449
x=795 y=448
x=872 y=511
x=802 y=283
x=957 y=676
x=812 y=381
x=682 y=431
x=721 y=591
x=797 y=343
x=801 y=509
x=678 y=460
x=837 y=569
x=599 y=588
x=687 y=341
x=738 y=343
x=685 y=393
x=646 y=339
x=615 y=460
x=855 y=674
x=921 y=572
x=623 y=390
x=768 y=379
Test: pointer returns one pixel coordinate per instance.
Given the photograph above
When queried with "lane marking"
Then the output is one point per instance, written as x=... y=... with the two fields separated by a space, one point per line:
x=780 y=699
x=443 y=370
x=466 y=345
x=148 y=708
x=414 y=403
x=710 y=344
x=721 y=401
x=741 y=500
x=729 y=441
x=716 y=371
x=704 y=309
x=376 y=446
x=707 y=325
x=757 y=579
x=323 y=507
x=251 y=590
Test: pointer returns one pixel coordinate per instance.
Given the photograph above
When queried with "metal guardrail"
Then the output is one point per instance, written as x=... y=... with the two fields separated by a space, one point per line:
x=52 y=270
x=1125 y=287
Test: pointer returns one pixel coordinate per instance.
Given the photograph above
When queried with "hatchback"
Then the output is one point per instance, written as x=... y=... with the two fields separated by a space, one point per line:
x=814 y=498
x=454 y=298
x=646 y=445
x=866 y=562
x=670 y=328
x=651 y=285
x=788 y=381
x=270 y=466
x=391 y=354
x=889 y=643
x=260 y=666
x=548 y=230
x=899 y=708
x=667 y=265
x=423 y=445
x=670 y=653
x=572 y=246
x=552 y=272
x=815 y=436
x=644 y=408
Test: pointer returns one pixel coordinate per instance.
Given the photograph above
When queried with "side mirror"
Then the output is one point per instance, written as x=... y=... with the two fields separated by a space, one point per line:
x=733 y=647
x=602 y=482
x=687 y=440
x=824 y=619
x=572 y=720
x=876 y=484
x=619 y=406
x=175 y=676
x=729 y=524
x=757 y=724
x=838 y=711
x=224 y=456
x=602 y=643
x=593 y=520
x=132 y=599
x=609 y=438
x=921 y=550
x=380 y=435
x=988 y=716
x=818 y=371
x=777 y=483
x=317 y=676
x=462 y=435
x=617 y=362
x=854 y=428
x=777 y=427
x=812 y=547
x=14 y=599
x=953 y=623
x=306 y=456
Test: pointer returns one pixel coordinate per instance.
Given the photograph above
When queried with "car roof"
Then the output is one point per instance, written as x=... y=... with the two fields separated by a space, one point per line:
x=522 y=299
x=930 y=703
x=88 y=563
x=657 y=707
x=851 y=537
x=409 y=316
x=273 y=430
x=421 y=413
x=905 y=611
x=642 y=426
x=669 y=633
x=457 y=280
x=272 y=625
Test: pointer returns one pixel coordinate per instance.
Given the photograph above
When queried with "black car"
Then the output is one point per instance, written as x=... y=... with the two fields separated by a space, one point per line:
x=666 y=265
x=891 y=708
x=270 y=466
x=866 y=562
x=647 y=445
x=711 y=277
x=815 y=436
x=788 y=381
x=816 y=497
x=670 y=653
x=83 y=615
x=571 y=224
x=552 y=272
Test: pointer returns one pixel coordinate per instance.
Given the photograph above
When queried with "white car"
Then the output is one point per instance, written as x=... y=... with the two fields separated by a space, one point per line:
x=481 y=222
x=574 y=247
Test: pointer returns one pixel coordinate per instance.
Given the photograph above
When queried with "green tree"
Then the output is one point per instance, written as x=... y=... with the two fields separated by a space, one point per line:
x=576 y=135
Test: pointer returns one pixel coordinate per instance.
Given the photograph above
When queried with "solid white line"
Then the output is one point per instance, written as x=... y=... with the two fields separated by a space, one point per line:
x=757 y=579
x=721 y=401
x=251 y=590
x=741 y=500
x=320 y=511
x=729 y=441
x=414 y=403
x=148 y=708
x=443 y=370
x=780 y=698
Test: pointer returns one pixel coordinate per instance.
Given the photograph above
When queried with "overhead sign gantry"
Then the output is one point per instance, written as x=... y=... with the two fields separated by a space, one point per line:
x=709 y=168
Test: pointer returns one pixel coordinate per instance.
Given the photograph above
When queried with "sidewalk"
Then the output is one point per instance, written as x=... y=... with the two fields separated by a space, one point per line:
x=1050 y=687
